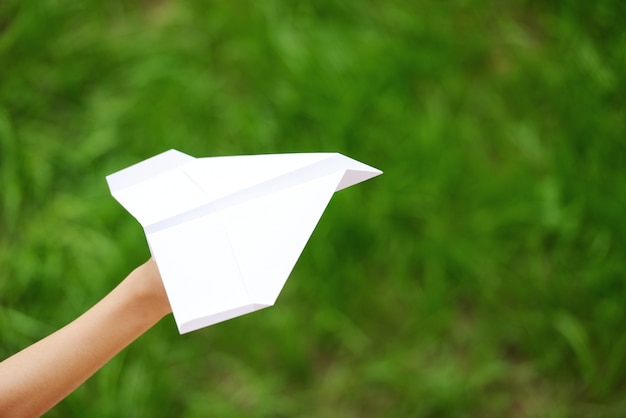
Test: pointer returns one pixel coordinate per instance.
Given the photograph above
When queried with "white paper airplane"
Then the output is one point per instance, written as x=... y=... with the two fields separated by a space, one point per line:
x=226 y=232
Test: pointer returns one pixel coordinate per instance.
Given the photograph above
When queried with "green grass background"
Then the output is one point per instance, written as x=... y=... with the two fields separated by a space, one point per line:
x=482 y=275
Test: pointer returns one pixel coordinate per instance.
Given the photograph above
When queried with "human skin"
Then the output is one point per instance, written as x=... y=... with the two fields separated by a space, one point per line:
x=35 y=379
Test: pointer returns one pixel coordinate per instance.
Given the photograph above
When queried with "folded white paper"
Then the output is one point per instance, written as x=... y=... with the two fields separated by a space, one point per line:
x=226 y=232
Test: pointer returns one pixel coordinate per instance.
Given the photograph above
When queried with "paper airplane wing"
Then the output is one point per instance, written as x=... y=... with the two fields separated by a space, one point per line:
x=157 y=189
x=234 y=247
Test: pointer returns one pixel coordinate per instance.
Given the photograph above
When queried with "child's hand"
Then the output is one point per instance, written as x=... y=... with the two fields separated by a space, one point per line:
x=148 y=288
x=38 y=377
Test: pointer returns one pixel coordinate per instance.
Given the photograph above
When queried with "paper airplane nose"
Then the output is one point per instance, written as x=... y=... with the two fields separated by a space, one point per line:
x=226 y=232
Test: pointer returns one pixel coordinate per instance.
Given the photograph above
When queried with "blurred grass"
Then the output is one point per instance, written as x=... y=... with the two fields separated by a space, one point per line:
x=481 y=275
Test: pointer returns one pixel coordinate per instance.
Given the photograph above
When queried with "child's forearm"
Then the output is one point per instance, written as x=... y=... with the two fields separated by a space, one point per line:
x=38 y=377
